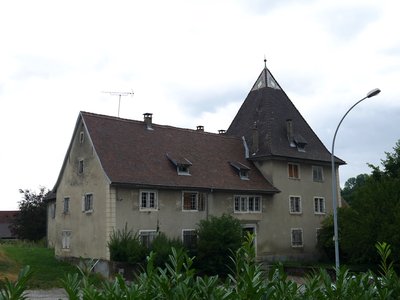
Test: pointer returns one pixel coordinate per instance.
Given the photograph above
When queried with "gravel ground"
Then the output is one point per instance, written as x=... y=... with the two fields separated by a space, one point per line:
x=53 y=294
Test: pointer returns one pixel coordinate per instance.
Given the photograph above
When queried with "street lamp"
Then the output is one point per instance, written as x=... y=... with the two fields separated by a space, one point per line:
x=372 y=93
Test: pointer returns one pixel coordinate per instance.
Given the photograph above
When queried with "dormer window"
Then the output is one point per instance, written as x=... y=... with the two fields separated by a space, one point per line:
x=300 y=143
x=182 y=164
x=243 y=171
x=183 y=169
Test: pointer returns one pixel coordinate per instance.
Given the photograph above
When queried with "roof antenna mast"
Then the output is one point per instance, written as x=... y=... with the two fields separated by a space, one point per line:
x=119 y=94
x=265 y=62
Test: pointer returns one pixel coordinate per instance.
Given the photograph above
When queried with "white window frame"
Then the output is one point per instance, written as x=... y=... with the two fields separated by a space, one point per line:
x=196 y=200
x=193 y=232
x=289 y=170
x=318 y=208
x=66 y=239
x=292 y=207
x=254 y=228
x=183 y=170
x=296 y=244
x=66 y=203
x=147 y=233
x=319 y=171
x=149 y=206
x=244 y=174
x=88 y=203
x=242 y=204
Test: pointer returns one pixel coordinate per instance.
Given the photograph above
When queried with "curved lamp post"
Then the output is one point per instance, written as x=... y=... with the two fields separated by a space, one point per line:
x=372 y=93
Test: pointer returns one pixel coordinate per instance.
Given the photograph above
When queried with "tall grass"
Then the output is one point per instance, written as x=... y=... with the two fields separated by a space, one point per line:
x=46 y=269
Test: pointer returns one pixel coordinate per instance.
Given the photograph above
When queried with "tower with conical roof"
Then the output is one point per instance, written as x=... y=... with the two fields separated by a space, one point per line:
x=291 y=156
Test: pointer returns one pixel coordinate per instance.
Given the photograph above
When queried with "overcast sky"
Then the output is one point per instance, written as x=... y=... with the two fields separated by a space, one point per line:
x=191 y=63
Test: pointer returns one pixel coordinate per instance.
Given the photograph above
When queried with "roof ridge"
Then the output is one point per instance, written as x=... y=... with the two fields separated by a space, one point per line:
x=156 y=125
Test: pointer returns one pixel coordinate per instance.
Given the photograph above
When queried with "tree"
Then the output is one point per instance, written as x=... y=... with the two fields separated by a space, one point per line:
x=30 y=223
x=218 y=239
x=351 y=185
x=374 y=214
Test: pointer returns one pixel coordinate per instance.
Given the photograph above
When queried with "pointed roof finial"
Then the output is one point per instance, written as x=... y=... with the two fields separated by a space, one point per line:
x=265 y=62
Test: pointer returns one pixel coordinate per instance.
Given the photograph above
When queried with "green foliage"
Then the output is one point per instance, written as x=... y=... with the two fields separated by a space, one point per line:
x=351 y=185
x=125 y=246
x=177 y=280
x=162 y=246
x=47 y=270
x=15 y=290
x=374 y=214
x=30 y=222
x=218 y=237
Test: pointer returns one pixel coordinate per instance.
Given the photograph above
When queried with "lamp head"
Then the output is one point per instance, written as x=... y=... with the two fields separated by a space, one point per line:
x=373 y=93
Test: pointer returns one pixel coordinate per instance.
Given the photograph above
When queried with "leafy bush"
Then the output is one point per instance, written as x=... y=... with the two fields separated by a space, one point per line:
x=125 y=246
x=162 y=247
x=218 y=238
x=15 y=290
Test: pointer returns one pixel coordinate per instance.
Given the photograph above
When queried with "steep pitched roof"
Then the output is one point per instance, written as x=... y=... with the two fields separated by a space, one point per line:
x=132 y=154
x=266 y=112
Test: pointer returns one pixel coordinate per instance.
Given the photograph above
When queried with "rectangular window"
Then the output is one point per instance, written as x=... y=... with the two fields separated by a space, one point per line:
x=318 y=173
x=297 y=237
x=53 y=210
x=87 y=205
x=293 y=171
x=189 y=200
x=147 y=237
x=193 y=201
x=66 y=205
x=65 y=239
x=295 y=204
x=148 y=200
x=189 y=238
x=81 y=137
x=80 y=166
x=247 y=204
x=319 y=205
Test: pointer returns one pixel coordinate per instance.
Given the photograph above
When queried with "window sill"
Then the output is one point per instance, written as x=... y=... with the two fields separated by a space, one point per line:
x=148 y=209
x=88 y=212
x=295 y=213
x=319 y=213
x=297 y=246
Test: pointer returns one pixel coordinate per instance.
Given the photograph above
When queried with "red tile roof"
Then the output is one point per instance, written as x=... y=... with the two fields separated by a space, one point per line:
x=132 y=154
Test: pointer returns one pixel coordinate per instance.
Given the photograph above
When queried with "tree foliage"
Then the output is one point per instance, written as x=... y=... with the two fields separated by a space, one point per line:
x=374 y=213
x=218 y=238
x=351 y=185
x=30 y=222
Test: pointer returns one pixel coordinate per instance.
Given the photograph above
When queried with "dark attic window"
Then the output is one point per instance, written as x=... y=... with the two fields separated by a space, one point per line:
x=182 y=164
x=243 y=171
x=300 y=143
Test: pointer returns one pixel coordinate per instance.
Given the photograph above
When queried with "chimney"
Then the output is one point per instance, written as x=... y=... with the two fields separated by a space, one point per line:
x=255 y=139
x=148 y=120
x=221 y=131
x=200 y=128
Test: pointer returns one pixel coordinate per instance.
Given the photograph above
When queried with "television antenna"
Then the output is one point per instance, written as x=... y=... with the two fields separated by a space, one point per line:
x=119 y=94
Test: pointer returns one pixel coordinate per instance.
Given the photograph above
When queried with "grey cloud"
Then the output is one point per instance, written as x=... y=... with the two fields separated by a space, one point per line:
x=346 y=23
x=197 y=102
